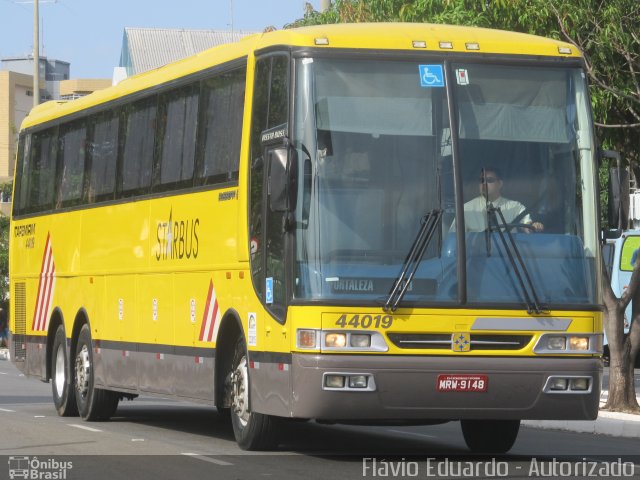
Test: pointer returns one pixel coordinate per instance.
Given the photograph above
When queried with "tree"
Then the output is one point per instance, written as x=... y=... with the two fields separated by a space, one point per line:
x=608 y=34
x=623 y=348
x=4 y=260
x=5 y=194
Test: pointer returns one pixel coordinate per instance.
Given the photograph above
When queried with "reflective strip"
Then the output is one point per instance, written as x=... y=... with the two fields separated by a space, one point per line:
x=522 y=324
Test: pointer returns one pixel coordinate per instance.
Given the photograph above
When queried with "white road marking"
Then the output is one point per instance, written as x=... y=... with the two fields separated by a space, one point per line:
x=39 y=416
x=89 y=429
x=137 y=439
x=207 y=459
x=413 y=433
x=6 y=410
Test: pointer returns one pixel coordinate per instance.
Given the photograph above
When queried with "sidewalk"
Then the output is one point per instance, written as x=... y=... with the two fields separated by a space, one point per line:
x=607 y=423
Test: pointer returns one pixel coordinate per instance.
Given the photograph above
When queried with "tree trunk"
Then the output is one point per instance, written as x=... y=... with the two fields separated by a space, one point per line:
x=622 y=349
x=622 y=393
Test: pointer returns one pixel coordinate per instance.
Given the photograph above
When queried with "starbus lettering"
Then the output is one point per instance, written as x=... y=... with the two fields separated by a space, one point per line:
x=177 y=239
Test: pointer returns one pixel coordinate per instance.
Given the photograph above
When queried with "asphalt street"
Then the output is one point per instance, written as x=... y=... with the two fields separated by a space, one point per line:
x=155 y=438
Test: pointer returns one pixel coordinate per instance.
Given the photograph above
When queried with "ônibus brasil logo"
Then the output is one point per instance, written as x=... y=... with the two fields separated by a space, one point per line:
x=36 y=469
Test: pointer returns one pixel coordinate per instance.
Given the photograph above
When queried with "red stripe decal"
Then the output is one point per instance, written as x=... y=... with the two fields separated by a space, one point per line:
x=213 y=321
x=206 y=311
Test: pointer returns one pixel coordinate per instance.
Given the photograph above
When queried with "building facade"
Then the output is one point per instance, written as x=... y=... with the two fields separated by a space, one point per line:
x=16 y=98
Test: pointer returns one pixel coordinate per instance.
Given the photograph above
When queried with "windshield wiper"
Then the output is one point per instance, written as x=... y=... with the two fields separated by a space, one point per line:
x=522 y=274
x=428 y=225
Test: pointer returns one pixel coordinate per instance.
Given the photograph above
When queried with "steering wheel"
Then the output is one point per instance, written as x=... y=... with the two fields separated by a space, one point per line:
x=527 y=226
x=511 y=226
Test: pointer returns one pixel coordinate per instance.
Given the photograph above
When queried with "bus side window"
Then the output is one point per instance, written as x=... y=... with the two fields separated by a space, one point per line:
x=72 y=164
x=222 y=109
x=42 y=171
x=22 y=175
x=177 y=121
x=103 y=154
x=138 y=150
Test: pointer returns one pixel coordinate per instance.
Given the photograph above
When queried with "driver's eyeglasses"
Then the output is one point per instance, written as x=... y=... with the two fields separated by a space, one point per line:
x=488 y=180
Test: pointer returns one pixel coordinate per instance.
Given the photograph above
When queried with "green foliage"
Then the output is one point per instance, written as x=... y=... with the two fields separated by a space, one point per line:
x=5 y=188
x=4 y=260
x=603 y=182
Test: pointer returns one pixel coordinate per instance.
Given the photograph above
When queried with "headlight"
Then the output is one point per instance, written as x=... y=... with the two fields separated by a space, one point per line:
x=589 y=343
x=335 y=340
x=360 y=340
x=579 y=343
x=556 y=343
x=352 y=341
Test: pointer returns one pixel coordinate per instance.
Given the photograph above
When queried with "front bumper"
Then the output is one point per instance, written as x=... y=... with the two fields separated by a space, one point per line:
x=405 y=388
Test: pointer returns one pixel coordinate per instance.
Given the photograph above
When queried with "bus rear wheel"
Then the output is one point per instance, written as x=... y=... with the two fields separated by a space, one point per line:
x=490 y=436
x=62 y=384
x=94 y=404
x=252 y=431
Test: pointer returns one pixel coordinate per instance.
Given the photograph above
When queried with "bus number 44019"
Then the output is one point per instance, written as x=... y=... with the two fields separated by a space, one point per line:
x=364 y=321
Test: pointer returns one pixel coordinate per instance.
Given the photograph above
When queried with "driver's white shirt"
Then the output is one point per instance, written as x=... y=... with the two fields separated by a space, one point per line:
x=475 y=213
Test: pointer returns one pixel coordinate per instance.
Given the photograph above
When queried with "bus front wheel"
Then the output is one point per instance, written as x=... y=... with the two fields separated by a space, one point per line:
x=252 y=431
x=62 y=385
x=490 y=436
x=94 y=404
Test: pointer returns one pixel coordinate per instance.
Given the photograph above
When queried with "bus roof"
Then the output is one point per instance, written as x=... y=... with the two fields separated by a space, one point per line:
x=376 y=36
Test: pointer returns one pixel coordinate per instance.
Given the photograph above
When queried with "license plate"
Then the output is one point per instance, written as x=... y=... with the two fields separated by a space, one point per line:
x=462 y=383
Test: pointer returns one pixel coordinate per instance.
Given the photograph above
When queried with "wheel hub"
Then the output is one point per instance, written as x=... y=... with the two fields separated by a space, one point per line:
x=60 y=377
x=83 y=372
x=239 y=391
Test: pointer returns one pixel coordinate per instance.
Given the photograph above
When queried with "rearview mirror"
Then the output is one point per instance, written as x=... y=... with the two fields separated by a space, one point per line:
x=283 y=179
x=277 y=160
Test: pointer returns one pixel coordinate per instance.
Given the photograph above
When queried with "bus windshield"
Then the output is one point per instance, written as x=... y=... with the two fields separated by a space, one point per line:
x=376 y=154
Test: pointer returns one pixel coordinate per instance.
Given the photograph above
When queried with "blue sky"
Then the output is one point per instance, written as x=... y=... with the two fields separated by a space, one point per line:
x=88 y=33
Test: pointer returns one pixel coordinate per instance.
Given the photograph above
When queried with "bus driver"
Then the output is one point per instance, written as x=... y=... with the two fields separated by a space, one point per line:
x=475 y=210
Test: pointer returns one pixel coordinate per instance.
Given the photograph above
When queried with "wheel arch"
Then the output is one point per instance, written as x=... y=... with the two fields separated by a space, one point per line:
x=82 y=318
x=56 y=320
x=230 y=329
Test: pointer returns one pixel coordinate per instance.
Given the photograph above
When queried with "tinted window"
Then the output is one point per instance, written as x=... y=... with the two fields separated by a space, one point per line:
x=104 y=155
x=72 y=153
x=137 y=159
x=42 y=171
x=180 y=117
x=270 y=109
x=221 y=132
x=22 y=175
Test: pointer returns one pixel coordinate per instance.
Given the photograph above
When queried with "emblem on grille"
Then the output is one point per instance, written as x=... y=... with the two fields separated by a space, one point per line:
x=460 y=342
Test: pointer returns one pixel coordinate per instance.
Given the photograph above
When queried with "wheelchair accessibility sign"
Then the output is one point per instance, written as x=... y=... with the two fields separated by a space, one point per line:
x=431 y=76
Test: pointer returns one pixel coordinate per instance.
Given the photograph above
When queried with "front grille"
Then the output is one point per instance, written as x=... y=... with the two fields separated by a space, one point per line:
x=442 y=341
x=20 y=319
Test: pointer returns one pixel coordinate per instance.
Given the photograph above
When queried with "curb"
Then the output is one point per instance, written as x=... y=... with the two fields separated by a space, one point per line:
x=608 y=423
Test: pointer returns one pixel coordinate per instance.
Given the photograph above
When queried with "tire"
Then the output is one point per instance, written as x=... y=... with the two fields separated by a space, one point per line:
x=252 y=431
x=490 y=436
x=62 y=380
x=94 y=404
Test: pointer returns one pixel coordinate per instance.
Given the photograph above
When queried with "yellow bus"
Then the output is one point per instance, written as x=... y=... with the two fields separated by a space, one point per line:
x=389 y=223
